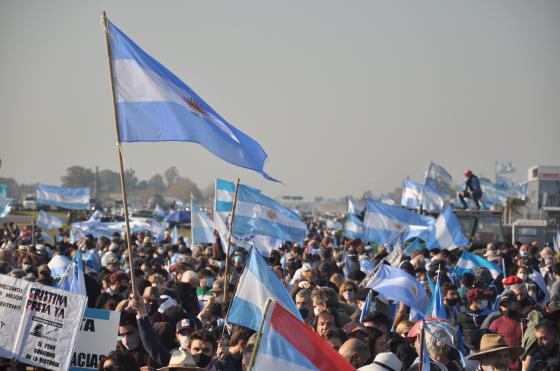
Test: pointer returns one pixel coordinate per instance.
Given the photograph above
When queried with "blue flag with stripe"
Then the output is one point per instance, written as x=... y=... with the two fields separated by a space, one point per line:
x=154 y=105
x=201 y=225
x=66 y=198
x=259 y=214
x=48 y=221
x=257 y=284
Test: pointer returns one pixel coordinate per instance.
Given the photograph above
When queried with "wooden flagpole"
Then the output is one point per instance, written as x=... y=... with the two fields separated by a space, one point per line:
x=120 y=155
x=258 y=339
x=226 y=281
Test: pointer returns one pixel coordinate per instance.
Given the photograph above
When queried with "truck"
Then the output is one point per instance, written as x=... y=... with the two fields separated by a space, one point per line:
x=481 y=227
x=28 y=201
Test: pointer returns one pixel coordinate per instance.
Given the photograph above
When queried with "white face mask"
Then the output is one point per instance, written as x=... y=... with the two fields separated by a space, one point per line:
x=522 y=276
x=184 y=342
x=316 y=311
x=483 y=304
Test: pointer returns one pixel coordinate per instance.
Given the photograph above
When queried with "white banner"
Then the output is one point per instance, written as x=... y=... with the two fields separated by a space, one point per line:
x=97 y=337
x=40 y=323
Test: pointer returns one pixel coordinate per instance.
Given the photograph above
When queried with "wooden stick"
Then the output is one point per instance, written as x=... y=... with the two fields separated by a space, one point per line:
x=258 y=339
x=120 y=155
x=226 y=281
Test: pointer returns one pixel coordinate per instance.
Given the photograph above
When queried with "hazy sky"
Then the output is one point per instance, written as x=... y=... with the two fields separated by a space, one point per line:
x=344 y=96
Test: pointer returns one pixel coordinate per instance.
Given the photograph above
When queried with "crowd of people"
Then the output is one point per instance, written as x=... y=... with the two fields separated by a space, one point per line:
x=178 y=319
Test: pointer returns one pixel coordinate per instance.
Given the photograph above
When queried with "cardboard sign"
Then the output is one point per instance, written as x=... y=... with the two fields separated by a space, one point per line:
x=97 y=337
x=39 y=323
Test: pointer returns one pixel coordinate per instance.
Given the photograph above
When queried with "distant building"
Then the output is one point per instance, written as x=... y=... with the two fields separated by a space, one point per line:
x=543 y=191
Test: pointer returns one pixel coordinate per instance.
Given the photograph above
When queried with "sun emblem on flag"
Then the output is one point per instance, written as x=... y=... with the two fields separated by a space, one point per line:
x=195 y=106
x=414 y=290
x=271 y=214
x=398 y=225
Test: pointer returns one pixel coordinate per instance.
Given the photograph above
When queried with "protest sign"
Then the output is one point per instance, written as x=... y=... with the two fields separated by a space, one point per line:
x=43 y=323
x=96 y=338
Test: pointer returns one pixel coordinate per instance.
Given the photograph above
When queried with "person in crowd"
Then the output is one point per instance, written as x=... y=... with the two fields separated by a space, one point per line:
x=494 y=353
x=472 y=318
x=472 y=190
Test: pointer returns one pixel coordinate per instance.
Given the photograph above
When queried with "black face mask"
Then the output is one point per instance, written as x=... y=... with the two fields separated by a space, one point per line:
x=201 y=359
x=452 y=302
x=511 y=312
x=304 y=312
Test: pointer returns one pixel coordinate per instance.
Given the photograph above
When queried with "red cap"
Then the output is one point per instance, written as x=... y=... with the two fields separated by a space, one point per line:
x=476 y=294
x=511 y=280
x=117 y=276
x=416 y=328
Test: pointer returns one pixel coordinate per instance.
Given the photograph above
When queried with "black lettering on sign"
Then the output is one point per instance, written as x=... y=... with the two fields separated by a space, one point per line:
x=88 y=324
x=87 y=360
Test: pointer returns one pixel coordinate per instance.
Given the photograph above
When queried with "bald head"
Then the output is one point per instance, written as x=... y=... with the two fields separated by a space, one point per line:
x=355 y=351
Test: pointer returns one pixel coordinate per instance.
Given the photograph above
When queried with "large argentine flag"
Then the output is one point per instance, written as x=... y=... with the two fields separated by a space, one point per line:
x=154 y=105
x=395 y=284
x=383 y=222
x=260 y=214
x=201 y=225
x=48 y=221
x=446 y=232
x=470 y=262
x=223 y=206
x=439 y=179
x=354 y=227
x=257 y=284
x=289 y=344
x=67 y=198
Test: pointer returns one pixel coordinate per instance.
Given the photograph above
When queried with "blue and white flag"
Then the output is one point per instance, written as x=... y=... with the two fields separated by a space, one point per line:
x=259 y=214
x=355 y=207
x=66 y=198
x=158 y=211
x=413 y=193
x=383 y=222
x=201 y=226
x=366 y=307
x=470 y=262
x=395 y=284
x=154 y=105
x=223 y=206
x=446 y=232
x=174 y=235
x=437 y=308
x=354 y=227
x=58 y=265
x=439 y=179
x=414 y=246
x=157 y=230
x=73 y=279
x=5 y=206
x=48 y=221
x=387 y=200
x=556 y=242
x=257 y=284
x=505 y=167
x=47 y=238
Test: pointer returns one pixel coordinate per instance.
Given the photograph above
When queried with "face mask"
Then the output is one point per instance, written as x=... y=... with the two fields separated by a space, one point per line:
x=201 y=359
x=131 y=342
x=151 y=309
x=348 y=295
x=209 y=282
x=452 y=302
x=221 y=264
x=316 y=311
x=304 y=312
x=522 y=276
x=524 y=254
x=483 y=304
x=25 y=267
x=237 y=259
x=184 y=342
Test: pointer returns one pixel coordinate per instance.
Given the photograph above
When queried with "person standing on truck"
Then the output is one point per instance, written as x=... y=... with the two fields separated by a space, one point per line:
x=472 y=190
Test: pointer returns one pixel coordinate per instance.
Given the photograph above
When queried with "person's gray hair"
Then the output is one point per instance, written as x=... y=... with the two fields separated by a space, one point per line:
x=439 y=342
x=326 y=296
x=305 y=293
x=189 y=276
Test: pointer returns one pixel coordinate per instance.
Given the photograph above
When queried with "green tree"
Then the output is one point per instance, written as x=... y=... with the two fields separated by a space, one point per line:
x=77 y=176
